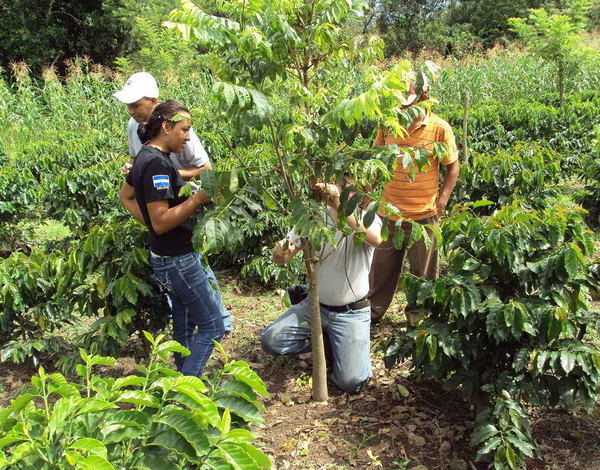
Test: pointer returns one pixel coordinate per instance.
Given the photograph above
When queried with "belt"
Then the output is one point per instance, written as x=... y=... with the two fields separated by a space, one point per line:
x=154 y=255
x=362 y=303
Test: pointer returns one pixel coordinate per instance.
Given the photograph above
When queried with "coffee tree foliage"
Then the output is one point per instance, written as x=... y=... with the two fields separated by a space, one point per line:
x=299 y=46
x=507 y=321
x=155 y=419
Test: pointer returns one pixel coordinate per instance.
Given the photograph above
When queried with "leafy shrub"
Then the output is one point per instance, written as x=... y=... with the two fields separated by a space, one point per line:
x=506 y=321
x=590 y=200
x=157 y=419
x=525 y=173
x=116 y=263
x=85 y=196
x=34 y=303
x=568 y=129
x=19 y=194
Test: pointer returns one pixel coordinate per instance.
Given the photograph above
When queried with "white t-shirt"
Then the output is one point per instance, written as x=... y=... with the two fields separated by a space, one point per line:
x=343 y=271
x=193 y=154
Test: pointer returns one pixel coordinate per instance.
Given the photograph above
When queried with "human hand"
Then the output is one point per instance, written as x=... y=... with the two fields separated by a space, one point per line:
x=126 y=168
x=330 y=193
x=440 y=204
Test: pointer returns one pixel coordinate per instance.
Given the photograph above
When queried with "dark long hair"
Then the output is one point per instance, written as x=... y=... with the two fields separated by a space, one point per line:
x=164 y=111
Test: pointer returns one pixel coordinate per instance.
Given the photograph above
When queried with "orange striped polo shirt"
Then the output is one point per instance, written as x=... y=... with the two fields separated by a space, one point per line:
x=416 y=198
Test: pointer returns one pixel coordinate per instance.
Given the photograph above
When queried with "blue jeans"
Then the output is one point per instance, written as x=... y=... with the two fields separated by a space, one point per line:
x=349 y=337
x=216 y=294
x=193 y=307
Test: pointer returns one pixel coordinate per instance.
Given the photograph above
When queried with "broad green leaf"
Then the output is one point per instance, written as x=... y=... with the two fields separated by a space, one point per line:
x=183 y=423
x=139 y=398
x=225 y=422
x=241 y=371
x=511 y=458
x=172 y=346
x=242 y=408
x=567 y=361
x=489 y=445
x=90 y=445
x=94 y=462
x=483 y=433
x=261 y=458
x=129 y=381
x=204 y=405
x=23 y=450
x=237 y=457
x=171 y=440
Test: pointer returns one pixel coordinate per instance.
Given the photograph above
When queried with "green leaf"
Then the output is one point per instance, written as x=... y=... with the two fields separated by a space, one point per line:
x=90 y=445
x=171 y=440
x=483 y=433
x=237 y=457
x=94 y=462
x=489 y=446
x=172 y=346
x=242 y=408
x=511 y=458
x=129 y=381
x=567 y=361
x=241 y=371
x=182 y=422
x=225 y=422
x=260 y=458
x=139 y=398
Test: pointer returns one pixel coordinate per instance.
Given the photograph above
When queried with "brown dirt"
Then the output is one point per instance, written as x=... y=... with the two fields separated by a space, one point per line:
x=389 y=428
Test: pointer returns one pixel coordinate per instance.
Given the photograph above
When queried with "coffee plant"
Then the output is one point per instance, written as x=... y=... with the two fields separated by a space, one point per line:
x=506 y=322
x=35 y=303
x=156 y=419
x=525 y=173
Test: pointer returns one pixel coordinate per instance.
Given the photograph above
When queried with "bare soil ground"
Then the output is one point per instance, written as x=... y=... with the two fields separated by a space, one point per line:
x=415 y=426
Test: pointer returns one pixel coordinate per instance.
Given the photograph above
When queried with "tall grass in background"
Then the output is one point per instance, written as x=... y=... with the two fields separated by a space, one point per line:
x=504 y=75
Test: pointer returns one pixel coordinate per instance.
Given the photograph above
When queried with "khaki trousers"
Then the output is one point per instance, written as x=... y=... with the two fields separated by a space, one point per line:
x=387 y=266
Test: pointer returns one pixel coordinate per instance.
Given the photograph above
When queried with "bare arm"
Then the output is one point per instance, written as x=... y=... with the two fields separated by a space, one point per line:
x=284 y=251
x=164 y=218
x=452 y=171
x=127 y=198
x=193 y=172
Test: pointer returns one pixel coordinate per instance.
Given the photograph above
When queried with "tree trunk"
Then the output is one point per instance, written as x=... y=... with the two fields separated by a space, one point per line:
x=465 y=142
x=319 y=374
x=561 y=83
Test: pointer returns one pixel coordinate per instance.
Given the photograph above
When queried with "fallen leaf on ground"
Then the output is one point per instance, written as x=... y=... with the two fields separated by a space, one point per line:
x=415 y=440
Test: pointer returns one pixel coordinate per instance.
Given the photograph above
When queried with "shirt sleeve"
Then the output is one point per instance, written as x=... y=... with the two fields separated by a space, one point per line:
x=380 y=139
x=157 y=180
x=135 y=145
x=129 y=178
x=450 y=141
x=194 y=153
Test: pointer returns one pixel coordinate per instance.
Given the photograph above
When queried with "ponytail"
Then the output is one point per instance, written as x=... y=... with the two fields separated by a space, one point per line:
x=164 y=111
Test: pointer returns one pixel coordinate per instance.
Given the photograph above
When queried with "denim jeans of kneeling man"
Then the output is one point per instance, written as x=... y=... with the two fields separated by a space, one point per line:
x=196 y=308
x=349 y=337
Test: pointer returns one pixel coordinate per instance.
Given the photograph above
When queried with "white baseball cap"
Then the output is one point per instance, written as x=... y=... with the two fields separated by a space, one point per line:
x=139 y=85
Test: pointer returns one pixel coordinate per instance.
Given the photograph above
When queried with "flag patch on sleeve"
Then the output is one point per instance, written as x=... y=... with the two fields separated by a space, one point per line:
x=161 y=181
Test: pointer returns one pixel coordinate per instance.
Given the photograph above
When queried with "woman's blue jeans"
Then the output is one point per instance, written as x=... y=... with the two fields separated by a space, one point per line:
x=197 y=318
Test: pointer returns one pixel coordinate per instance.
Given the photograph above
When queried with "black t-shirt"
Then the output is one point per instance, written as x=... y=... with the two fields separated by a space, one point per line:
x=155 y=178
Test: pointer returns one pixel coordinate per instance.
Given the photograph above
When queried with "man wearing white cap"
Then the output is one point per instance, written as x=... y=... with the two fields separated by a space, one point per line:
x=140 y=94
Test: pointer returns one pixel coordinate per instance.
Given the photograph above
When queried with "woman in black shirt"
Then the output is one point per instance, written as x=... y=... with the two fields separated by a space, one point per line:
x=151 y=194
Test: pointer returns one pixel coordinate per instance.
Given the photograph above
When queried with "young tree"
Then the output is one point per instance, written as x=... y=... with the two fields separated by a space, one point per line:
x=557 y=38
x=299 y=48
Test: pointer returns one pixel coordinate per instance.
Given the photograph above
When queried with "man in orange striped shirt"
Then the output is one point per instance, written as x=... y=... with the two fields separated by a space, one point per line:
x=420 y=199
